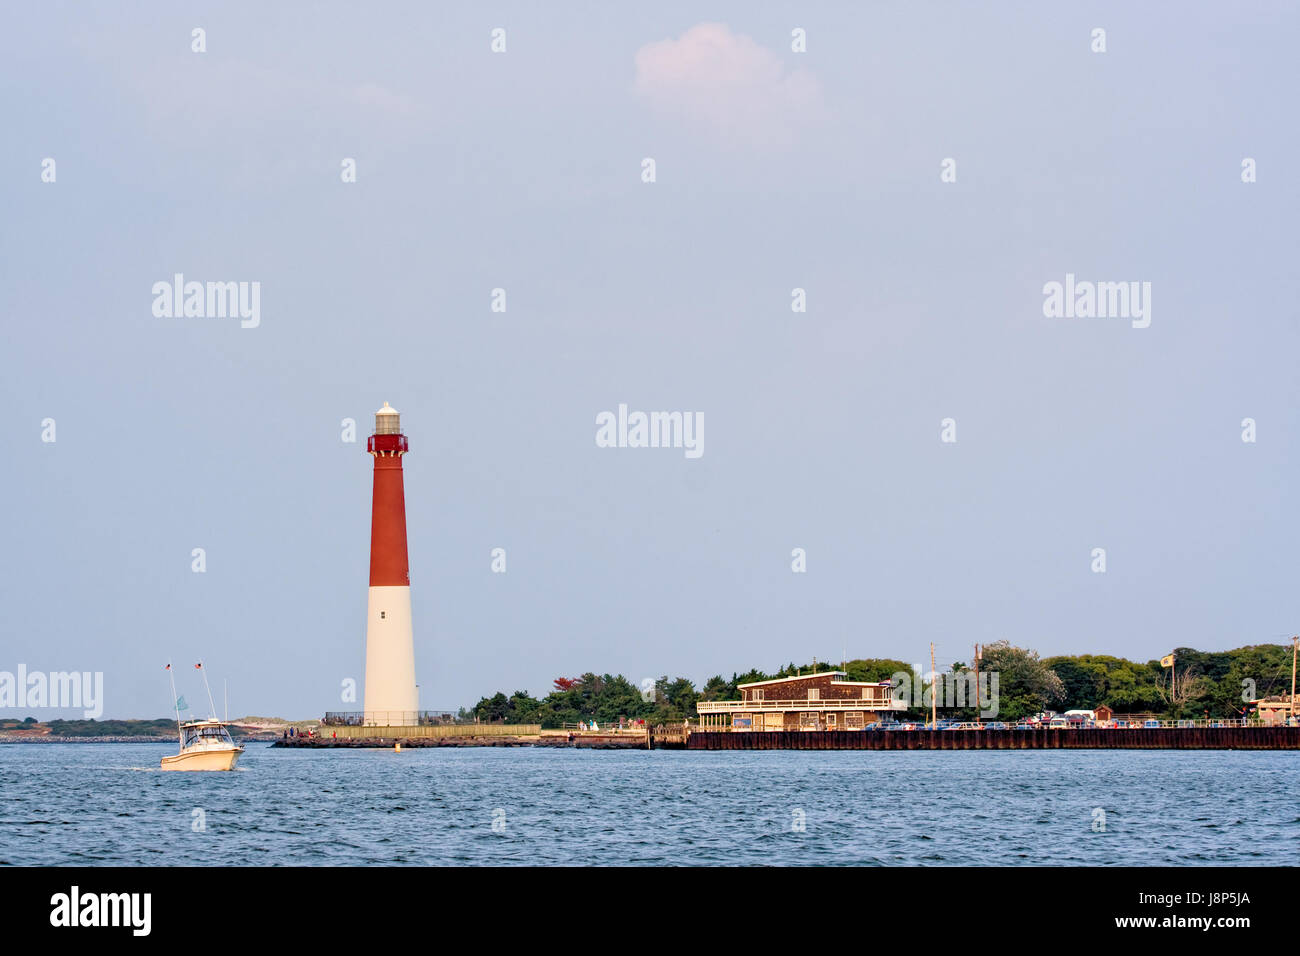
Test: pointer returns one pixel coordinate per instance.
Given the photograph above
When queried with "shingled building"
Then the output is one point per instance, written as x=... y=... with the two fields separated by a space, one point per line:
x=824 y=701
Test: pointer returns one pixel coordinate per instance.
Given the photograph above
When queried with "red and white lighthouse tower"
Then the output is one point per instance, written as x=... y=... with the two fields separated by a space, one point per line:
x=390 y=697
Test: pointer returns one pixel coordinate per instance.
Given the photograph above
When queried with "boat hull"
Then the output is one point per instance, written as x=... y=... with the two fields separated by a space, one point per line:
x=223 y=758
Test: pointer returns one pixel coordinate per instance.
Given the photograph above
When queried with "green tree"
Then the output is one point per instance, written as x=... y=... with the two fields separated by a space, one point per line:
x=1025 y=684
x=718 y=688
x=1090 y=680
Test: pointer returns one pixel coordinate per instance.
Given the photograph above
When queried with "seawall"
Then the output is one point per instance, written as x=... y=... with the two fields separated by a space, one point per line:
x=1163 y=738
x=426 y=731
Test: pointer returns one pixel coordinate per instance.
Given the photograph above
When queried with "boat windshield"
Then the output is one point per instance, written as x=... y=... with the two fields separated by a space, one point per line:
x=206 y=735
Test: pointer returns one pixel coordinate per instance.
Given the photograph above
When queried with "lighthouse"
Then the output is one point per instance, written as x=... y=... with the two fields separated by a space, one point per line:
x=390 y=696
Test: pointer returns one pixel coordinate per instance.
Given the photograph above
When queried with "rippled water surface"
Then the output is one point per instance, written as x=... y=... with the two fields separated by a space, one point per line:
x=109 y=803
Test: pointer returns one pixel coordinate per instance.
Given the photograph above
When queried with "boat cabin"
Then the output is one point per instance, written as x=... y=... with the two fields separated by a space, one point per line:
x=205 y=733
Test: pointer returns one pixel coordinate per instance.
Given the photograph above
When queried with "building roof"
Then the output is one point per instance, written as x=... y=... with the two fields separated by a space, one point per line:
x=850 y=683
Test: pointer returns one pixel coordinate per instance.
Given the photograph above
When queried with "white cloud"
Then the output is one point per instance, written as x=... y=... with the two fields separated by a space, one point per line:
x=725 y=84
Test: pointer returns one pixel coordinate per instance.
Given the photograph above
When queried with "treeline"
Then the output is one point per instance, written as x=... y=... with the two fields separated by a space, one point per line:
x=1213 y=683
x=162 y=727
x=112 y=728
x=1208 y=683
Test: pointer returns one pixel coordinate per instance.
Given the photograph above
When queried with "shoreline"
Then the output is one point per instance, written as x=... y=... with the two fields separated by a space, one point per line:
x=1164 y=738
x=115 y=739
x=1168 y=738
x=589 y=742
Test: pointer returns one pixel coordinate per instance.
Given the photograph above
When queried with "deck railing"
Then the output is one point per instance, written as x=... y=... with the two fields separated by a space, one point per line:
x=610 y=728
x=391 y=718
x=764 y=706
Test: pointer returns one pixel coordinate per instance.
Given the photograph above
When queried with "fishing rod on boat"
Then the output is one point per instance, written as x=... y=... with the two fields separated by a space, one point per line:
x=176 y=703
x=211 y=703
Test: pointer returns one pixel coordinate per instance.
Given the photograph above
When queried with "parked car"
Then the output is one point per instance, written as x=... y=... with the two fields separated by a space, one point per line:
x=1151 y=723
x=1024 y=725
x=962 y=725
x=995 y=725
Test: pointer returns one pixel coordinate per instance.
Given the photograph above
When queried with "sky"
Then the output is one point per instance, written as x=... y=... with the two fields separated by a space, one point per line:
x=822 y=169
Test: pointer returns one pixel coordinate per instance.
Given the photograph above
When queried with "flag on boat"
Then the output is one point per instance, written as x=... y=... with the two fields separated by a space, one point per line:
x=180 y=703
x=1167 y=660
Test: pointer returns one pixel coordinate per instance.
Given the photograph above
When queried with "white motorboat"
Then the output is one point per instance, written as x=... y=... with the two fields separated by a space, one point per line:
x=205 y=744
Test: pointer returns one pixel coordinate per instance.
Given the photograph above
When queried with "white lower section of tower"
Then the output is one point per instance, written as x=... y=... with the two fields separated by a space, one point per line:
x=391 y=698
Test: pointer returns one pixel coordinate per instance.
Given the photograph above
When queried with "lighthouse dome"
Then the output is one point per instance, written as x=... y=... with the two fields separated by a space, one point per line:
x=387 y=421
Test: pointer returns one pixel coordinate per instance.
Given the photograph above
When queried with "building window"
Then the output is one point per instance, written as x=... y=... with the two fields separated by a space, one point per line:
x=830 y=721
x=814 y=693
x=757 y=693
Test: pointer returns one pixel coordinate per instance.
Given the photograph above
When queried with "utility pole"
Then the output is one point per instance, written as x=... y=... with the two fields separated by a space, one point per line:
x=977 y=683
x=934 y=695
x=1295 y=643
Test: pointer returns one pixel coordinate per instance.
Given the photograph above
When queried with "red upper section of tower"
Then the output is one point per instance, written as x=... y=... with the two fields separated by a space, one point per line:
x=388 y=562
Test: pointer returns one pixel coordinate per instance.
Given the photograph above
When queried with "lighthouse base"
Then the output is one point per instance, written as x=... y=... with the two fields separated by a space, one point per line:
x=391 y=697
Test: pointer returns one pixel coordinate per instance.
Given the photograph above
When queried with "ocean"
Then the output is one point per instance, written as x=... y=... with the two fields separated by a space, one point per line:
x=90 y=804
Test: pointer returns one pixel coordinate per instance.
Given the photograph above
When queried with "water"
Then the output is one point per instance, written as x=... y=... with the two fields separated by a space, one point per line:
x=110 y=804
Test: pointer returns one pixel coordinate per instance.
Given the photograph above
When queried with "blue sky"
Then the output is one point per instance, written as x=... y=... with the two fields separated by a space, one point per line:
x=522 y=170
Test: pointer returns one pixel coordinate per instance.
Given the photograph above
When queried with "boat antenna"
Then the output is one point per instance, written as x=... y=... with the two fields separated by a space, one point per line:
x=176 y=703
x=225 y=698
x=199 y=668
